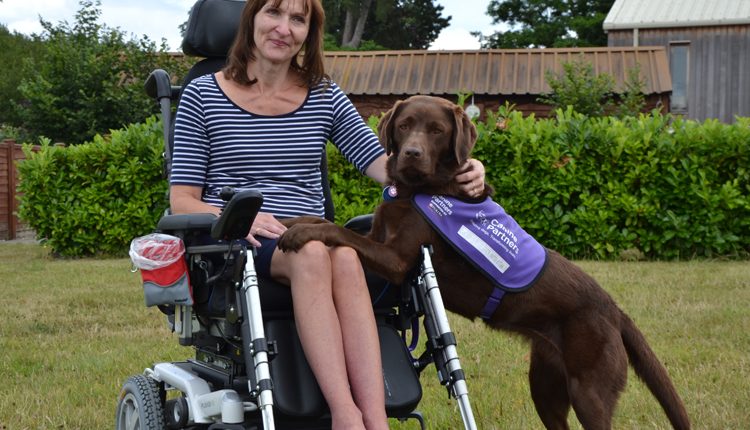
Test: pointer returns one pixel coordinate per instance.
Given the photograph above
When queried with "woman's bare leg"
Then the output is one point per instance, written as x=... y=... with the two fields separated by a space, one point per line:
x=360 y=336
x=310 y=275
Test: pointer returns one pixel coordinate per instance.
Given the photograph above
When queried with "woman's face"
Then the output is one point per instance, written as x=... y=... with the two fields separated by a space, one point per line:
x=281 y=31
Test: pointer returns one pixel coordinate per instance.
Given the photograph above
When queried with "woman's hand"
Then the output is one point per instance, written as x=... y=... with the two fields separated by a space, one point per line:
x=470 y=178
x=265 y=225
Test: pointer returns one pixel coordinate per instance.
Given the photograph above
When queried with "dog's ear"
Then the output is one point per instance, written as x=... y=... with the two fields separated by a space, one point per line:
x=385 y=128
x=464 y=133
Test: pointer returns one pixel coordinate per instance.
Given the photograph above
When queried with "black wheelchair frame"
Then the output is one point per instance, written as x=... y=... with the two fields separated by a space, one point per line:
x=249 y=371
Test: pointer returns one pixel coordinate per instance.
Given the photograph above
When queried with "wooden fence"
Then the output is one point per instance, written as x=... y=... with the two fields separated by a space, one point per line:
x=10 y=226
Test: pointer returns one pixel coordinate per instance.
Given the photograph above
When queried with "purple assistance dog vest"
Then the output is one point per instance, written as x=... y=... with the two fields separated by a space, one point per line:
x=490 y=239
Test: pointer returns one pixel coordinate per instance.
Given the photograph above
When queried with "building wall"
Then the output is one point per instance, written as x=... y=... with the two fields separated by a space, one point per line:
x=375 y=105
x=718 y=73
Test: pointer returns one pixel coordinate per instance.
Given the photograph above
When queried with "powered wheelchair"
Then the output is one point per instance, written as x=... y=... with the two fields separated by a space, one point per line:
x=248 y=370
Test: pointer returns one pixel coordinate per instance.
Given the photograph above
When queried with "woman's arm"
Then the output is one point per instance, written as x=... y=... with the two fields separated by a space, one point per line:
x=376 y=170
x=185 y=199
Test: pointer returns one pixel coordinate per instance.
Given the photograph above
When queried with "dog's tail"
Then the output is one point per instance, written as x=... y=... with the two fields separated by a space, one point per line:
x=653 y=374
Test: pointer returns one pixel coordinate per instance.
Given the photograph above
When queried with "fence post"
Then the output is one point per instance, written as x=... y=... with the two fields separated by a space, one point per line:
x=12 y=222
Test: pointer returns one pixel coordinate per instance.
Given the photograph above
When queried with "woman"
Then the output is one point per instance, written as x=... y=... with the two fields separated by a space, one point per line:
x=262 y=123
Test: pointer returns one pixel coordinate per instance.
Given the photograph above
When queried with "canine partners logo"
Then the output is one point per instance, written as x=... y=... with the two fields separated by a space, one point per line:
x=441 y=206
x=481 y=217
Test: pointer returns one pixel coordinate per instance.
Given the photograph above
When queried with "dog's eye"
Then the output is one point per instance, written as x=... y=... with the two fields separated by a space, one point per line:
x=403 y=126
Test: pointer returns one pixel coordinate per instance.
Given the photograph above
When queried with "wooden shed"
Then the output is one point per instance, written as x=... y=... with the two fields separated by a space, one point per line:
x=708 y=44
x=374 y=80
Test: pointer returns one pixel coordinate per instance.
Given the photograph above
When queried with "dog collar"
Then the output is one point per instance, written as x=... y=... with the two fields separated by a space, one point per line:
x=390 y=193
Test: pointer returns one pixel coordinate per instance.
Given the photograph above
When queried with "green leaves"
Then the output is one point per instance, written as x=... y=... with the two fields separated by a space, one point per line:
x=603 y=187
x=353 y=194
x=87 y=78
x=547 y=23
x=92 y=199
x=654 y=186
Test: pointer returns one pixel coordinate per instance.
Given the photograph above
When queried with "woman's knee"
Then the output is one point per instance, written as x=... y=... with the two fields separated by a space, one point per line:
x=314 y=251
x=346 y=267
x=344 y=255
x=313 y=258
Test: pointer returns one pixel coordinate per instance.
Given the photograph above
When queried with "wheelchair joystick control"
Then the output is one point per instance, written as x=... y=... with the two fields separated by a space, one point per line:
x=227 y=193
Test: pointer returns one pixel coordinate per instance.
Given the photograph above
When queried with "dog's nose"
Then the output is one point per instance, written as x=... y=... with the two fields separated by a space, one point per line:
x=413 y=152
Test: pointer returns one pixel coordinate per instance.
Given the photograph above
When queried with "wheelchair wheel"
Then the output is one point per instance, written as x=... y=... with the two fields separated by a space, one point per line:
x=140 y=406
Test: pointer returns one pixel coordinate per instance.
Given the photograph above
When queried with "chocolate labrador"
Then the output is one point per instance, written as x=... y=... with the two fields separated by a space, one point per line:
x=581 y=342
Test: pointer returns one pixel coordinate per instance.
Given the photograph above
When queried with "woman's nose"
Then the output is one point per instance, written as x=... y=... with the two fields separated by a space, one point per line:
x=283 y=26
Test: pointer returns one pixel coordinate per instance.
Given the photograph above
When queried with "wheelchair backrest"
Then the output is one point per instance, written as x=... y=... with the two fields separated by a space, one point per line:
x=210 y=31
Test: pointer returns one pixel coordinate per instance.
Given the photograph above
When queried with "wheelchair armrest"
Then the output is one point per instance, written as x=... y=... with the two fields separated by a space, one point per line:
x=184 y=222
x=238 y=215
x=233 y=223
x=361 y=224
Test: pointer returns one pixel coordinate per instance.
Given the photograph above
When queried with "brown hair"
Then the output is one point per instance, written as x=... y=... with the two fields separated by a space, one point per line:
x=241 y=53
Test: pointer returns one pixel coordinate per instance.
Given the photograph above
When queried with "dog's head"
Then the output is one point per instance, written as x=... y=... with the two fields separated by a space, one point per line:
x=428 y=139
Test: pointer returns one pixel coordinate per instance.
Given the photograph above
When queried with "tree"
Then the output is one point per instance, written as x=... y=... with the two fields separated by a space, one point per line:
x=414 y=24
x=354 y=23
x=88 y=79
x=578 y=86
x=15 y=48
x=594 y=94
x=389 y=24
x=547 y=23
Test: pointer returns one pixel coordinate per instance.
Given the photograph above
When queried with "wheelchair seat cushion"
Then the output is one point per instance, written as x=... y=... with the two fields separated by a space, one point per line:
x=296 y=392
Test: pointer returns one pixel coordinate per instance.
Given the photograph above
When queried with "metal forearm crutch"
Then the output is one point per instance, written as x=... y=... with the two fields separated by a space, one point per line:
x=439 y=332
x=256 y=346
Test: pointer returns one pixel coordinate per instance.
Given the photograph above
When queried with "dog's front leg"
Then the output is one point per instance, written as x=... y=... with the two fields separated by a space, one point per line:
x=288 y=222
x=378 y=257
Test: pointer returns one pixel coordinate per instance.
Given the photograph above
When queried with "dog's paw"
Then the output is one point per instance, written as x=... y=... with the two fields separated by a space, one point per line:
x=296 y=236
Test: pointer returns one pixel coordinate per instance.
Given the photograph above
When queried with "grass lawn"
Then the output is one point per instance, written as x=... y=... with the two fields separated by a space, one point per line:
x=74 y=330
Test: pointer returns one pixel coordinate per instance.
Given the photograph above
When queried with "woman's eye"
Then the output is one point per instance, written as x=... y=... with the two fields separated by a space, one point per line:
x=299 y=19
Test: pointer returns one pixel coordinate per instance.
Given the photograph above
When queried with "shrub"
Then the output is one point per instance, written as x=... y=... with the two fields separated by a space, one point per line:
x=87 y=79
x=580 y=88
x=632 y=100
x=593 y=94
x=604 y=188
x=598 y=187
x=15 y=49
x=353 y=194
x=93 y=199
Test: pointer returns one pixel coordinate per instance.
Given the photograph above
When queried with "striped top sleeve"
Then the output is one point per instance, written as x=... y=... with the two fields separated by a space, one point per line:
x=217 y=144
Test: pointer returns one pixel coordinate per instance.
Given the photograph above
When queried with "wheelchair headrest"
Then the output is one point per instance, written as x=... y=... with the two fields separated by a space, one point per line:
x=211 y=27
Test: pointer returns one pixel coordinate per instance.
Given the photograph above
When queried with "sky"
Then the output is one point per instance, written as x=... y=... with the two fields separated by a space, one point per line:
x=159 y=19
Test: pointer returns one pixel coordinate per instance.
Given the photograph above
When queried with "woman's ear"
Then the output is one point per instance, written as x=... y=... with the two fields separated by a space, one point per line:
x=385 y=128
x=465 y=135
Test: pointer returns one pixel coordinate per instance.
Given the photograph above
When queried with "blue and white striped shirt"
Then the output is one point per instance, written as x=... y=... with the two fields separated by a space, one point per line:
x=217 y=144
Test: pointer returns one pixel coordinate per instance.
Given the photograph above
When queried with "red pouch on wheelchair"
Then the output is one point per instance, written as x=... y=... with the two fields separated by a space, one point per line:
x=161 y=260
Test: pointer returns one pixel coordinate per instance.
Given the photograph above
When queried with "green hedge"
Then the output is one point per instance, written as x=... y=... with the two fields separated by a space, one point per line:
x=92 y=199
x=652 y=187
x=353 y=194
